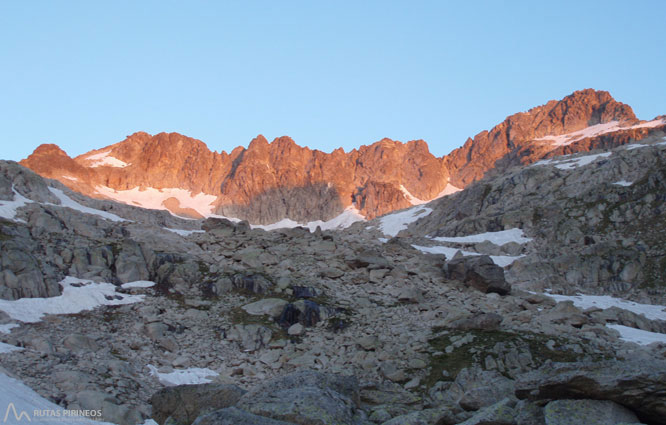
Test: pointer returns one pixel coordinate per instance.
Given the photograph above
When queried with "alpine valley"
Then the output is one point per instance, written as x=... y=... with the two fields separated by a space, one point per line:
x=518 y=280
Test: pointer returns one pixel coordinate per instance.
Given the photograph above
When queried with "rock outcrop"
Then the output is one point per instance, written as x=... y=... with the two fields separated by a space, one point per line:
x=633 y=384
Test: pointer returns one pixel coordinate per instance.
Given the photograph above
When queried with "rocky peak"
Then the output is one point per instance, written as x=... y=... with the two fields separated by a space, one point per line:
x=269 y=181
x=575 y=112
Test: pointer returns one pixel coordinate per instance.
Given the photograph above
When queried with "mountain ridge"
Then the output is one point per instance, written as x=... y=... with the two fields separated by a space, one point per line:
x=270 y=181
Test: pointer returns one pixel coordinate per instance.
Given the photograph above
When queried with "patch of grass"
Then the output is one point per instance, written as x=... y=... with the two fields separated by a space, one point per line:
x=482 y=346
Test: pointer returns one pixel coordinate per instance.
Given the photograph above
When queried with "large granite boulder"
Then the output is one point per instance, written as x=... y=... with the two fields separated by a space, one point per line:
x=479 y=272
x=637 y=385
x=184 y=403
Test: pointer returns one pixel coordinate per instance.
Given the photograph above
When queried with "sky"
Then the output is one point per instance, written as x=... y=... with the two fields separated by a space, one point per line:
x=87 y=74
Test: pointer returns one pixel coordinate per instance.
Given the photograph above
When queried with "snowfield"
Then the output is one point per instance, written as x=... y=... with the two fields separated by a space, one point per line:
x=105 y=159
x=8 y=208
x=566 y=163
x=154 y=199
x=650 y=311
x=348 y=217
x=194 y=375
x=138 y=284
x=596 y=130
x=18 y=404
x=449 y=189
x=623 y=183
x=77 y=295
x=498 y=238
x=66 y=201
x=500 y=260
x=183 y=232
x=392 y=224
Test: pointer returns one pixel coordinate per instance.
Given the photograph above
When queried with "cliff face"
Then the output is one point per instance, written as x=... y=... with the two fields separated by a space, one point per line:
x=515 y=139
x=270 y=181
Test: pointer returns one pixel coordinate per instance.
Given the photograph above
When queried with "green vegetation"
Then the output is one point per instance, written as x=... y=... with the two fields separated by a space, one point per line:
x=476 y=351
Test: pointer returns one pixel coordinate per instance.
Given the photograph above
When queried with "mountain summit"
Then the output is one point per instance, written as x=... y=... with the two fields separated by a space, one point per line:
x=268 y=182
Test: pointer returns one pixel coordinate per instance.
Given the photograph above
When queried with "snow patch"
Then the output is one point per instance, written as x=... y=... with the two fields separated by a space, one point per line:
x=183 y=232
x=448 y=190
x=138 y=284
x=498 y=238
x=24 y=399
x=411 y=198
x=582 y=301
x=392 y=224
x=596 y=130
x=635 y=146
x=74 y=179
x=623 y=183
x=8 y=208
x=77 y=295
x=189 y=376
x=105 y=159
x=570 y=163
x=638 y=336
x=8 y=348
x=500 y=260
x=154 y=198
x=66 y=201
x=348 y=217
x=7 y=328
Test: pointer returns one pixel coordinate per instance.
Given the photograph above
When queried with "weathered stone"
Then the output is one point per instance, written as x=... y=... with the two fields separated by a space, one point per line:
x=254 y=283
x=475 y=388
x=250 y=337
x=479 y=272
x=307 y=398
x=483 y=321
x=184 y=403
x=270 y=306
x=111 y=410
x=500 y=413
x=296 y=329
x=588 y=412
x=637 y=385
x=442 y=416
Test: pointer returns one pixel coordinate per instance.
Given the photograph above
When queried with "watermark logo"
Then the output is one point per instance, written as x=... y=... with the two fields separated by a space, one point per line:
x=17 y=416
x=67 y=416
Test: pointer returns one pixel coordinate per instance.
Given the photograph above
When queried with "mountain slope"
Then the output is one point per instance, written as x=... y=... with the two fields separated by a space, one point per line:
x=268 y=182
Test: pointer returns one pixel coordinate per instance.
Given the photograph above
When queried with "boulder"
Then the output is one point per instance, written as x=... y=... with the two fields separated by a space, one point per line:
x=255 y=283
x=251 y=337
x=184 y=403
x=427 y=417
x=588 y=412
x=475 y=388
x=637 y=385
x=270 y=306
x=483 y=321
x=500 y=413
x=111 y=410
x=21 y=275
x=306 y=398
x=479 y=272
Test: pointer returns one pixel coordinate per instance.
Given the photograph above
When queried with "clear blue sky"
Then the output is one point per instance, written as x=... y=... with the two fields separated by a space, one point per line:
x=86 y=74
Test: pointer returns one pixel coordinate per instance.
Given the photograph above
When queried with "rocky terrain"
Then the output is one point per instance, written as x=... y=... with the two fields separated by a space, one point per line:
x=453 y=312
x=268 y=182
